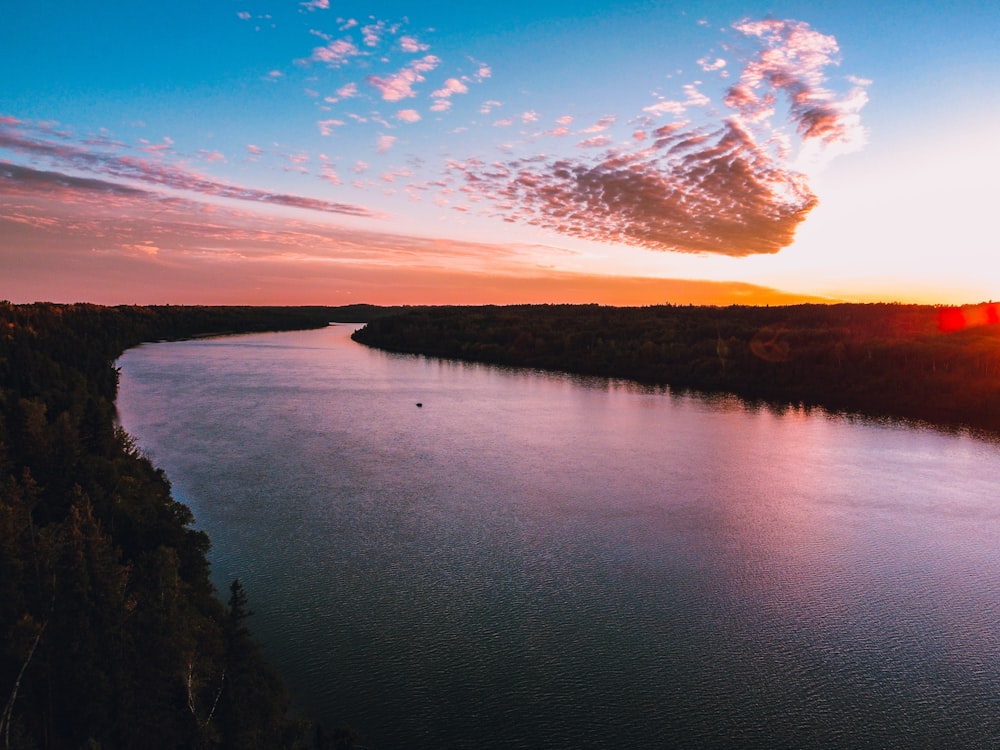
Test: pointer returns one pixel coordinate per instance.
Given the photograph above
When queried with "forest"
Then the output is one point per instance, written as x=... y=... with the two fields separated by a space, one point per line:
x=111 y=634
x=939 y=365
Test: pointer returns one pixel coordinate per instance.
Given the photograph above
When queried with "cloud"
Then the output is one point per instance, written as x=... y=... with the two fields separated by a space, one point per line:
x=156 y=174
x=399 y=85
x=384 y=142
x=312 y=5
x=410 y=44
x=710 y=66
x=408 y=115
x=17 y=178
x=727 y=185
x=326 y=126
x=451 y=86
x=693 y=98
x=692 y=192
x=792 y=61
x=488 y=106
x=328 y=172
x=601 y=125
x=335 y=53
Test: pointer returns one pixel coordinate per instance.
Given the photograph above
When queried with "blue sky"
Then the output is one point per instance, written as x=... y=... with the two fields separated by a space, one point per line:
x=327 y=152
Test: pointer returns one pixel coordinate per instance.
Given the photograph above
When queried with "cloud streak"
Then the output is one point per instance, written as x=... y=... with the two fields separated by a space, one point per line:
x=67 y=155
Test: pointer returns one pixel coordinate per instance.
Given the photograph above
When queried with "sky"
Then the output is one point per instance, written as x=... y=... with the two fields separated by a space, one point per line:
x=322 y=152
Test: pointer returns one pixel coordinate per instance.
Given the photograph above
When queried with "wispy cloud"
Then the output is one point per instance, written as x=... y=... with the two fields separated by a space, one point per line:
x=26 y=139
x=793 y=61
x=384 y=142
x=326 y=127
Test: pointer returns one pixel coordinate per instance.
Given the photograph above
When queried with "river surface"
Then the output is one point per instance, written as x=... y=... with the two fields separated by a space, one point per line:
x=531 y=560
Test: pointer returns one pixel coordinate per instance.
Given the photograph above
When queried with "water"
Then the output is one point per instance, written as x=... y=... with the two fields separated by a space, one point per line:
x=532 y=560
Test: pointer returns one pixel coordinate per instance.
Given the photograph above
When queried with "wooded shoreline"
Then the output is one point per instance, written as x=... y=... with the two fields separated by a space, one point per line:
x=111 y=633
x=916 y=362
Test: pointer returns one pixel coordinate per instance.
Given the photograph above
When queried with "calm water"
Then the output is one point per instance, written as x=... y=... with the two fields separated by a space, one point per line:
x=541 y=561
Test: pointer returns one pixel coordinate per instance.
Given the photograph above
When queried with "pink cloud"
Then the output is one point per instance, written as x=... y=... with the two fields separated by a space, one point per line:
x=372 y=33
x=597 y=141
x=312 y=5
x=155 y=174
x=601 y=125
x=488 y=106
x=564 y=120
x=451 y=86
x=399 y=85
x=153 y=148
x=326 y=127
x=213 y=156
x=408 y=115
x=530 y=116
x=716 y=192
x=726 y=188
x=335 y=53
x=329 y=173
x=384 y=142
x=410 y=44
x=709 y=65
x=792 y=61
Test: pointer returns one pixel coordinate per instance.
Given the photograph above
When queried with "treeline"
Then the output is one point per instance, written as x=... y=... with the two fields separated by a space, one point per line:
x=893 y=360
x=111 y=634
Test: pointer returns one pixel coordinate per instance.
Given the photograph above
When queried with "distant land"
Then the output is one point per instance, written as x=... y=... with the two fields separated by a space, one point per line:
x=939 y=365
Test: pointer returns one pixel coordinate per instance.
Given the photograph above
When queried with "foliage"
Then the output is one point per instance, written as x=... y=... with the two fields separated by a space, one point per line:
x=875 y=359
x=111 y=635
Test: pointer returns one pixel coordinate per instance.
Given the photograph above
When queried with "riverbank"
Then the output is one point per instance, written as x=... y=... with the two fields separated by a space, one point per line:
x=112 y=633
x=883 y=360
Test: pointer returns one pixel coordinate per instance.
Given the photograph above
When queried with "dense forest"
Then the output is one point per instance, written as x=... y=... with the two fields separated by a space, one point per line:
x=111 y=634
x=940 y=365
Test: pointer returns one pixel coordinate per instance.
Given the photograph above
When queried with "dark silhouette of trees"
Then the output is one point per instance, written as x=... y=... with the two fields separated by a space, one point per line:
x=111 y=634
x=874 y=359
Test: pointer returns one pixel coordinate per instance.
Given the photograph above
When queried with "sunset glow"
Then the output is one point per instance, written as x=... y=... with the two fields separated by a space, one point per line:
x=318 y=152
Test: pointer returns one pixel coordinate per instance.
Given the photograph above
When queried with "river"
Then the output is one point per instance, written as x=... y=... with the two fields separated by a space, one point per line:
x=449 y=555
